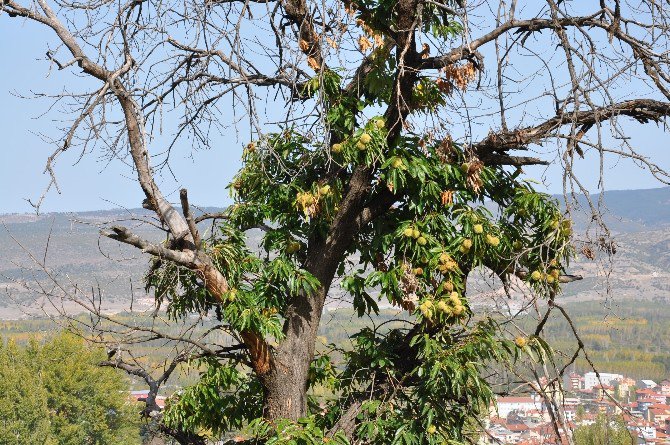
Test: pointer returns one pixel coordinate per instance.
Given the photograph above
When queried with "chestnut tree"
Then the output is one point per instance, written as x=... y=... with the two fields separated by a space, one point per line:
x=388 y=141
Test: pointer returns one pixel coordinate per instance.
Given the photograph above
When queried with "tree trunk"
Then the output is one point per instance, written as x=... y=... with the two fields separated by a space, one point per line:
x=286 y=382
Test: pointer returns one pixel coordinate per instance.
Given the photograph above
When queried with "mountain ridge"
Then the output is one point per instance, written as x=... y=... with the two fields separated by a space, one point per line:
x=640 y=206
x=638 y=219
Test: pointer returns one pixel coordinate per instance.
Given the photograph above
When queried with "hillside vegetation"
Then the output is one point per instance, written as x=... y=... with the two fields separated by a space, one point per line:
x=628 y=337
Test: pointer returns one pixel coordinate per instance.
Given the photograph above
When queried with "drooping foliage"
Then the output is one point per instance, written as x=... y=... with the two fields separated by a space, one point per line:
x=451 y=214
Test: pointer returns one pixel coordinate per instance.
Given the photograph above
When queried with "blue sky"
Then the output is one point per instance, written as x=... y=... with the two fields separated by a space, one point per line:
x=89 y=182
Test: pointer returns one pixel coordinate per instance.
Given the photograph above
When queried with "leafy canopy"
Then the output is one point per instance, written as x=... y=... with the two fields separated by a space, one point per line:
x=421 y=382
x=418 y=256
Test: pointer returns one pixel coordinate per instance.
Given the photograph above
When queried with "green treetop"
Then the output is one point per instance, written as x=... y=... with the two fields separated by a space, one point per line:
x=55 y=393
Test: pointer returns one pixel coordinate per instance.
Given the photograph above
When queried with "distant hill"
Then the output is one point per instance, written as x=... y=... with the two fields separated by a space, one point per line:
x=639 y=219
x=75 y=253
x=650 y=207
x=629 y=210
x=93 y=215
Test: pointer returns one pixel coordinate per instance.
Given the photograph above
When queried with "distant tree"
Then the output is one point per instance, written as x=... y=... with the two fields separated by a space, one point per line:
x=605 y=431
x=56 y=393
x=580 y=412
x=374 y=160
x=23 y=401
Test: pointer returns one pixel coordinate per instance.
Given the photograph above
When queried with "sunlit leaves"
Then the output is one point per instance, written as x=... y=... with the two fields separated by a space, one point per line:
x=286 y=432
x=439 y=386
x=220 y=401
x=427 y=95
x=379 y=81
x=366 y=145
x=326 y=82
x=419 y=379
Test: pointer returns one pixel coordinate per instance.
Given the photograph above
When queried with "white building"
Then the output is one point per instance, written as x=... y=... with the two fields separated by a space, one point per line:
x=506 y=405
x=572 y=401
x=647 y=384
x=591 y=379
x=644 y=430
x=570 y=413
x=499 y=434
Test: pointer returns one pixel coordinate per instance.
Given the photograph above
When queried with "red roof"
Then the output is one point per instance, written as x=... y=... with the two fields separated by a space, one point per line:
x=516 y=427
x=646 y=391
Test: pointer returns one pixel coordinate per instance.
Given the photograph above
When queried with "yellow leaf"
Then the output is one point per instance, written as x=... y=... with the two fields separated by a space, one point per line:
x=311 y=61
x=364 y=43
